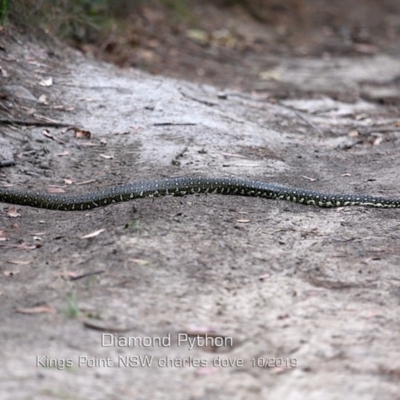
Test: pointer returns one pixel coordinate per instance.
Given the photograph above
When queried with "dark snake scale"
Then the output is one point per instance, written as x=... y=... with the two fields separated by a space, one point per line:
x=185 y=186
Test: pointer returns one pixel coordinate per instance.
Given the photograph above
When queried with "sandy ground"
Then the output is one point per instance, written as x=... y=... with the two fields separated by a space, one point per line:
x=200 y=297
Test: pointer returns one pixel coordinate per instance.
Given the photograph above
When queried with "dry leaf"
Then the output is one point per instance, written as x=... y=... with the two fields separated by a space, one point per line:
x=198 y=35
x=353 y=133
x=10 y=273
x=93 y=234
x=24 y=246
x=64 y=153
x=68 y=181
x=43 y=99
x=83 y=134
x=36 y=310
x=20 y=262
x=308 y=178
x=86 y=182
x=47 y=119
x=139 y=261
x=223 y=38
x=232 y=155
x=46 y=82
x=274 y=74
x=107 y=157
x=148 y=56
x=360 y=117
x=80 y=133
x=61 y=107
x=377 y=141
x=90 y=144
x=47 y=134
x=55 y=189
x=12 y=212
x=3 y=236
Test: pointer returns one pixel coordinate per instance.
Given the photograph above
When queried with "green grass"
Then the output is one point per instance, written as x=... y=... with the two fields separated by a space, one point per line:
x=82 y=20
x=71 y=309
x=5 y=4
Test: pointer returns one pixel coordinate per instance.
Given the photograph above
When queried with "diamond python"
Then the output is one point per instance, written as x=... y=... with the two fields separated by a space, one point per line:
x=189 y=185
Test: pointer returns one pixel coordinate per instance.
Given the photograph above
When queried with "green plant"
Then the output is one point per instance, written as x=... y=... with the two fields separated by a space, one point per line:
x=5 y=4
x=71 y=309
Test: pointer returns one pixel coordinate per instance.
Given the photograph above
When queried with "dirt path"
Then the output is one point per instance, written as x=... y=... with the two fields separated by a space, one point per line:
x=300 y=302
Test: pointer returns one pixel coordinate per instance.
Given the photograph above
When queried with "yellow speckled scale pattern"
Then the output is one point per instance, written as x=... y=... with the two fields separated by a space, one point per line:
x=189 y=185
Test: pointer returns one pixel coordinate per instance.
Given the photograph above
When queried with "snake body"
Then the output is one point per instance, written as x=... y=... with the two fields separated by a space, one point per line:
x=185 y=186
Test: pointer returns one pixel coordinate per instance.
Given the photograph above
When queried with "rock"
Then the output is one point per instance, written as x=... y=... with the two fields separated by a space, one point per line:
x=19 y=92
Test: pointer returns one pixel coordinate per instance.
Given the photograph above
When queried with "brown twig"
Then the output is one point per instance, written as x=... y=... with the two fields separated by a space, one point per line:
x=174 y=124
x=86 y=275
x=33 y=123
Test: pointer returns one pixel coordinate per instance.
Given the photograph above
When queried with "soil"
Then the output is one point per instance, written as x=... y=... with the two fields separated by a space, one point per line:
x=204 y=296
